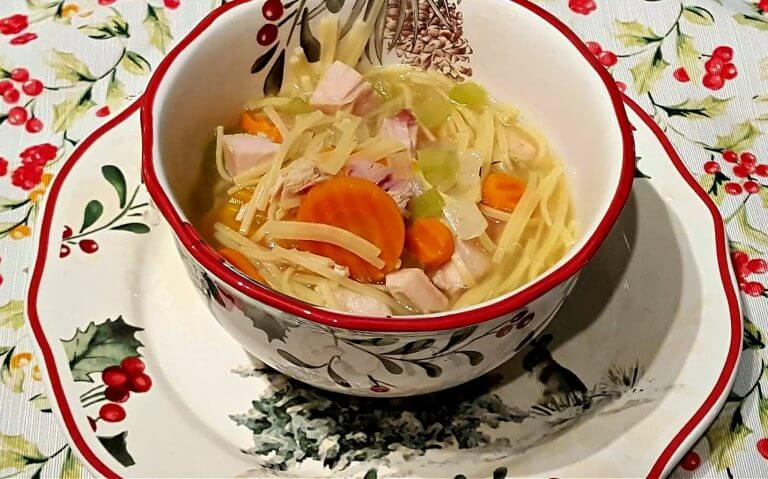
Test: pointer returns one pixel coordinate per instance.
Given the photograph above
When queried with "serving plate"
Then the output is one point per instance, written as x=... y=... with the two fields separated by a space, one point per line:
x=622 y=382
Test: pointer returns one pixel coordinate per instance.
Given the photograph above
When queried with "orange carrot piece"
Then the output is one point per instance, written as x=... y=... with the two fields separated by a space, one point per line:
x=430 y=242
x=362 y=208
x=242 y=263
x=254 y=125
x=502 y=191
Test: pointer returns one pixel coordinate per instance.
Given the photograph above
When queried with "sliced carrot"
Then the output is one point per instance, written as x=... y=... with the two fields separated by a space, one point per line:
x=242 y=263
x=254 y=125
x=429 y=241
x=361 y=207
x=502 y=191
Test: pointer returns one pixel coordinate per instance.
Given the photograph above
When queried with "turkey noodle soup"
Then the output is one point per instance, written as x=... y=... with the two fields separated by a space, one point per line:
x=385 y=190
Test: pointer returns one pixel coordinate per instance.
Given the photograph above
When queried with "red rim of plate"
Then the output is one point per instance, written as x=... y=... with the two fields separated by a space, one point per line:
x=211 y=261
x=667 y=458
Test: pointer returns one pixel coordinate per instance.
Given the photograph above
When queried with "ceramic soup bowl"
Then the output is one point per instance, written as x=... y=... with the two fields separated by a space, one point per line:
x=522 y=54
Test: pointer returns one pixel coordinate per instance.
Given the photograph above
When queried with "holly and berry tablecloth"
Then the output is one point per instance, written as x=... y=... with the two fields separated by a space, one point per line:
x=700 y=67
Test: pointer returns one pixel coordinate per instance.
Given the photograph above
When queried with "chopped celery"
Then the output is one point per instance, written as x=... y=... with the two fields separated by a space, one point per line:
x=427 y=205
x=433 y=111
x=469 y=94
x=383 y=88
x=440 y=167
x=296 y=106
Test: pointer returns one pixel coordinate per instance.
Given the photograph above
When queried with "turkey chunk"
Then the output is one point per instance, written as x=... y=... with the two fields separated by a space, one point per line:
x=413 y=285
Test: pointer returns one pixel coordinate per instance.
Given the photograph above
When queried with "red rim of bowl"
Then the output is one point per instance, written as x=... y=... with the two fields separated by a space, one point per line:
x=211 y=261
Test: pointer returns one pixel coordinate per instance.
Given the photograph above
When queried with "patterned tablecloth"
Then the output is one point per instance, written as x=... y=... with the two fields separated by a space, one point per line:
x=699 y=66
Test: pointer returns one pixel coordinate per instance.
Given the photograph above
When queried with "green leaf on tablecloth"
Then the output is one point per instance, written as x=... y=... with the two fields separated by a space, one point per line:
x=741 y=137
x=69 y=68
x=752 y=339
x=7 y=204
x=134 y=63
x=689 y=56
x=737 y=246
x=752 y=234
x=727 y=435
x=12 y=314
x=712 y=184
x=648 y=71
x=41 y=403
x=72 y=469
x=761 y=98
x=91 y=214
x=707 y=107
x=114 y=26
x=762 y=118
x=115 y=91
x=12 y=378
x=754 y=21
x=115 y=445
x=69 y=110
x=763 y=193
x=16 y=453
x=698 y=15
x=115 y=177
x=635 y=34
x=157 y=27
x=99 y=346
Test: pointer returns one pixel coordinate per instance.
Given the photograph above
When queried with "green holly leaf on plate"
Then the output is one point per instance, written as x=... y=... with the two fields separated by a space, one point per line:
x=727 y=435
x=741 y=137
x=69 y=68
x=12 y=314
x=158 y=28
x=99 y=346
x=116 y=446
x=16 y=453
x=69 y=110
x=648 y=71
x=635 y=34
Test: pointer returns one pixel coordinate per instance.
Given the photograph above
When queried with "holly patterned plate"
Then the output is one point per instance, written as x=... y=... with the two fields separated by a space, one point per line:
x=624 y=380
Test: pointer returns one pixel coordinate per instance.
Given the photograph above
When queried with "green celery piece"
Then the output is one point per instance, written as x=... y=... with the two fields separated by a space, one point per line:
x=427 y=205
x=469 y=94
x=440 y=167
x=296 y=106
x=433 y=111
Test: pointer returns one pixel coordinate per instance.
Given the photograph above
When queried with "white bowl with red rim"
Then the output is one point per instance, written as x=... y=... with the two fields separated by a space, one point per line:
x=545 y=71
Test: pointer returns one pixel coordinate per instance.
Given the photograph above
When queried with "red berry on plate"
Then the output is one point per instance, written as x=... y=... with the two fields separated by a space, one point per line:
x=733 y=188
x=116 y=394
x=740 y=171
x=19 y=74
x=681 y=75
x=11 y=95
x=730 y=71
x=691 y=461
x=103 y=111
x=594 y=47
x=140 y=383
x=34 y=125
x=730 y=156
x=712 y=81
x=88 y=246
x=64 y=251
x=132 y=366
x=67 y=232
x=747 y=158
x=762 y=447
x=267 y=34
x=272 y=10
x=753 y=288
x=5 y=85
x=104 y=3
x=608 y=59
x=711 y=167
x=17 y=115
x=171 y=4
x=751 y=186
x=723 y=52
x=378 y=388
x=114 y=376
x=761 y=170
x=112 y=412
x=758 y=266
x=32 y=87
x=714 y=65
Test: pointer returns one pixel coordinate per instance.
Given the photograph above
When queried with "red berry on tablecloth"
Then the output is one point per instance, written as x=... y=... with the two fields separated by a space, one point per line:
x=583 y=7
x=112 y=412
x=595 y=47
x=681 y=75
x=714 y=65
x=762 y=447
x=741 y=171
x=608 y=59
x=17 y=115
x=11 y=95
x=751 y=187
x=13 y=24
x=723 y=52
x=20 y=74
x=267 y=34
x=753 y=288
x=730 y=156
x=761 y=170
x=171 y=4
x=34 y=125
x=140 y=383
x=747 y=158
x=730 y=71
x=114 y=376
x=763 y=6
x=272 y=10
x=5 y=85
x=132 y=366
x=757 y=266
x=32 y=87
x=713 y=81
x=104 y=3
x=739 y=258
x=3 y=166
x=114 y=394
x=733 y=188
x=711 y=167
x=621 y=86
x=103 y=111
x=743 y=272
x=22 y=39
x=88 y=246
x=691 y=461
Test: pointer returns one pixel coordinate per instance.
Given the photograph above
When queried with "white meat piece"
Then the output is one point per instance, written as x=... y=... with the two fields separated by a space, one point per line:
x=520 y=146
x=353 y=302
x=243 y=152
x=403 y=190
x=413 y=285
x=467 y=257
x=367 y=100
x=339 y=87
x=402 y=127
x=368 y=170
x=296 y=179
